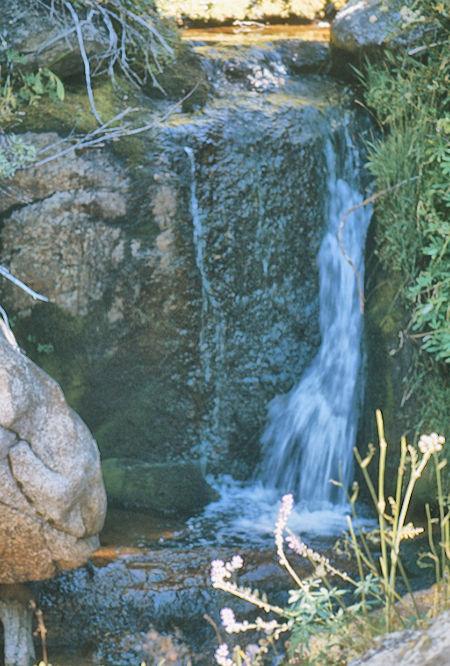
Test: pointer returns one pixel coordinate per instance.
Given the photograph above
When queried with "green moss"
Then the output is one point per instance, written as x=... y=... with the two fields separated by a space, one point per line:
x=56 y=341
x=167 y=488
x=75 y=110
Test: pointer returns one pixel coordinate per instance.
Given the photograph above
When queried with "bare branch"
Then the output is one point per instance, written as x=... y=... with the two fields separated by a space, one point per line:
x=5 y=272
x=107 y=133
x=372 y=198
x=6 y=329
x=62 y=35
x=87 y=68
x=148 y=27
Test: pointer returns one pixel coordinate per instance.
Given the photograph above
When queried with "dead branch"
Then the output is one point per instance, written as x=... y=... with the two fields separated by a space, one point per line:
x=367 y=201
x=41 y=630
x=5 y=272
x=209 y=619
x=6 y=330
x=87 y=67
x=105 y=133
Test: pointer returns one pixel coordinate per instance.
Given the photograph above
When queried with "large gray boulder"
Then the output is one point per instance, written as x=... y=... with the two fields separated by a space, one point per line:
x=367 y=27
x=52 y=499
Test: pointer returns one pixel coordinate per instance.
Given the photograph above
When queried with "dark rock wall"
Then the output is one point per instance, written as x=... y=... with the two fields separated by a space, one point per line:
x=260 y=221
x=169 y=329
x=154 y=364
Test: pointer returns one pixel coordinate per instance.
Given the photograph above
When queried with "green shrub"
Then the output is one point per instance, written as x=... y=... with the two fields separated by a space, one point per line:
x=409 y=96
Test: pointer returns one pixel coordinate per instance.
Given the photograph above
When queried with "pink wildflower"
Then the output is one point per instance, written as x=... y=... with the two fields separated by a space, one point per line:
x=218 y=572
x=287 y=502
x=222 y=657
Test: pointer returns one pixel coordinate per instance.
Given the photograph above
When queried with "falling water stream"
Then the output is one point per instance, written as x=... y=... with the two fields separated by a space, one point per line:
x=311 y=431
x=310 y=434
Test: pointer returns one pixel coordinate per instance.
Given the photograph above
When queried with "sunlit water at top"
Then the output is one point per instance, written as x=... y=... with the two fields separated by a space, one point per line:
x=257 y=33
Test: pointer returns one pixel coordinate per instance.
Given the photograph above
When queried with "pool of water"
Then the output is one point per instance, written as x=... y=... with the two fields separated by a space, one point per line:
x=258 y=34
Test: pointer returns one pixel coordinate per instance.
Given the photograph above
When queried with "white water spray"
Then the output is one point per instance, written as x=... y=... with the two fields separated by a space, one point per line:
x=311 y=431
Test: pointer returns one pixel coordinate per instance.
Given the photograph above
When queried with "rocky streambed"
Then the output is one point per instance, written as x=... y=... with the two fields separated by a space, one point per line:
x=152 y=600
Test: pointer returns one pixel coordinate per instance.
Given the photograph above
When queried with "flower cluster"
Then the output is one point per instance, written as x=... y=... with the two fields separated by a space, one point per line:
x=233 y=627
x=429 y=444
x=322 y=563
x=251 y=655
x=287 y=502
x=221 y=570
x=222 y=655
x=229 y=622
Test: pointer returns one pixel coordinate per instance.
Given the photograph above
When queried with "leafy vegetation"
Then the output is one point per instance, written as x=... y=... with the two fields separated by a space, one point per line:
x=409 y=94
x=18 y=90
x=329 y=623
x=133 y=42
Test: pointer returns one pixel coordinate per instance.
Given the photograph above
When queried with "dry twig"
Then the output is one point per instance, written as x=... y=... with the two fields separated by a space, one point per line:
x=367 y=201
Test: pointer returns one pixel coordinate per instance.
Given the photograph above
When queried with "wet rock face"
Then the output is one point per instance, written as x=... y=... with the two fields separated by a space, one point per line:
x=51 y=491
x=153 y=362
x=183 y=288
x=258 y=230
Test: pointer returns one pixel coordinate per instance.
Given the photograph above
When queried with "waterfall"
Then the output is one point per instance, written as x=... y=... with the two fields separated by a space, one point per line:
x=199 y=237
x=215 y=360
x=311 y=431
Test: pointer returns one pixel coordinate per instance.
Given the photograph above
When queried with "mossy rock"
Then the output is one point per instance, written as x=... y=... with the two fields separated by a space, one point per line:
x=403 y=382
x=184 y=79
x=165 y=488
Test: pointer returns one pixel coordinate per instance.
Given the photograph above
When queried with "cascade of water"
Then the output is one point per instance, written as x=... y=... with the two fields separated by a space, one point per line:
x=199 y=237
x=311 y=431
x=213 y=361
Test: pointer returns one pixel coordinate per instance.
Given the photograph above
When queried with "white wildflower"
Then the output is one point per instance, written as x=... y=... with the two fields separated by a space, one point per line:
x=408 y=531
x=429 y=444
x=222 y=655
x=229 y=621
x=236 y=563
x=287 y=502
x=218 y=572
